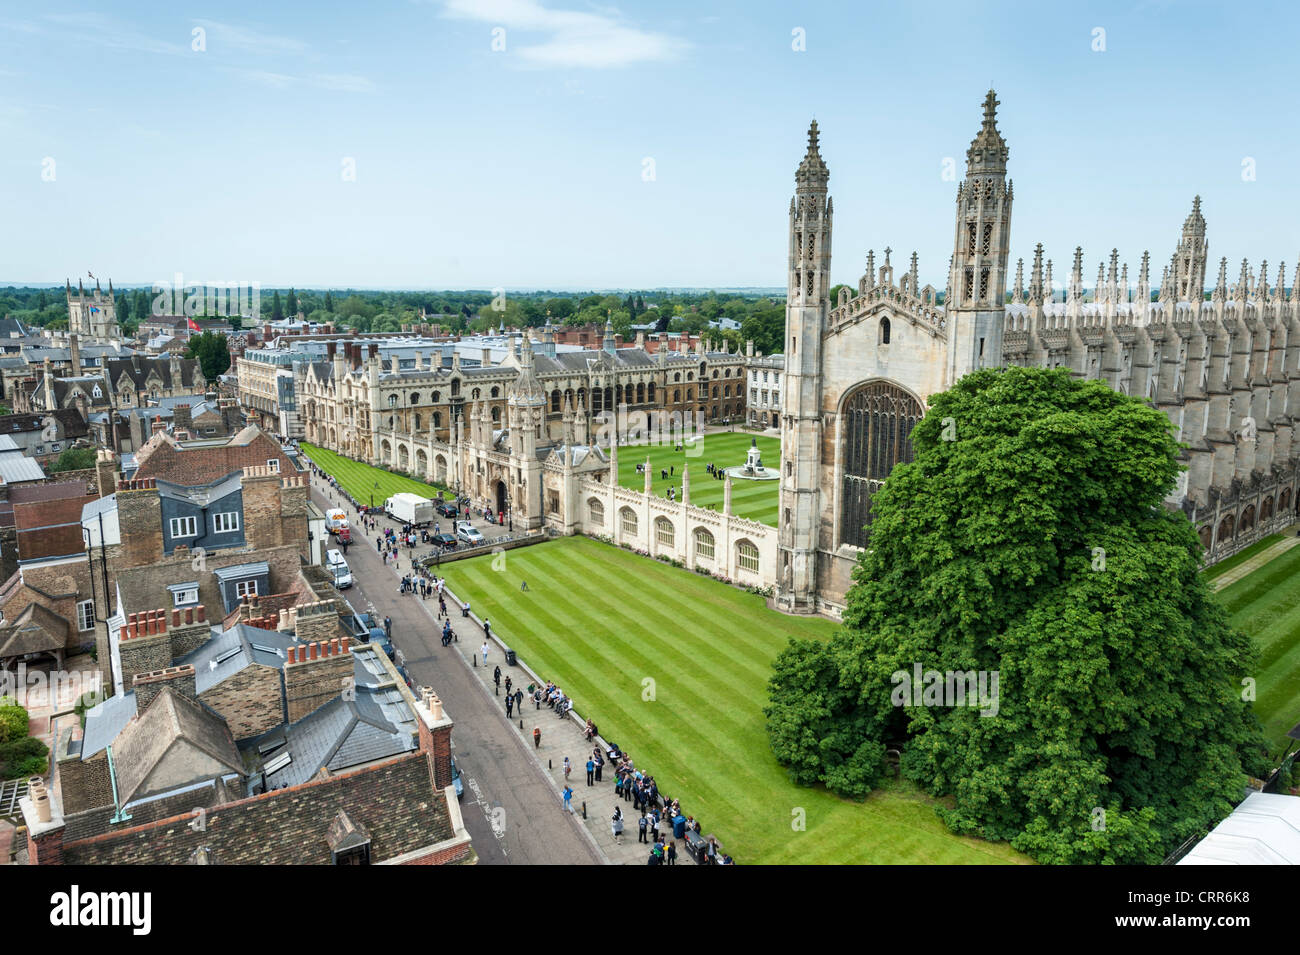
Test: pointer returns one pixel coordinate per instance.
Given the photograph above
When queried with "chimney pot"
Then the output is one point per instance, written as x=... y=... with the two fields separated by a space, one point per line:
x=200 y=611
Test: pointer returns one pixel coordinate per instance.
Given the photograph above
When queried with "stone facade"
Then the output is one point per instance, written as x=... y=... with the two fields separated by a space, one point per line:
x=860 y=371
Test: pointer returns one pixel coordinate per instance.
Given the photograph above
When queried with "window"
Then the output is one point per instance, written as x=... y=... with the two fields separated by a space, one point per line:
x=415 y=398
x=245 y=588
x=496 y=392
x=747 y=556
x=97 y=392
x=392 y=401
x=225 y=522
x=273 y=464
x=184 y=527
x=86 y=615
x=703 y=544
x=597 y=511
x=182 y=598
x=627 y=519
x=664 y=532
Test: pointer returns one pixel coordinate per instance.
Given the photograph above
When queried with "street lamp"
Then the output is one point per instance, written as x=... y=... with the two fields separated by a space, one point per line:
x=372 y=496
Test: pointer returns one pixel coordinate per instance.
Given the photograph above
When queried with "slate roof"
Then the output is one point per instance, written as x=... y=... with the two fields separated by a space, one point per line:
x=16 y=467
x=138 y=369
x=37 y=629
x=105 y=721
x=170 y=718
x=239 y=647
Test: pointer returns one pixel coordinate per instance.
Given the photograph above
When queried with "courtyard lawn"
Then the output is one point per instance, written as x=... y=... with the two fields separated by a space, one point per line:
x=757 y=500
x=602 y=621
x=1266 y=605
x=359 y=479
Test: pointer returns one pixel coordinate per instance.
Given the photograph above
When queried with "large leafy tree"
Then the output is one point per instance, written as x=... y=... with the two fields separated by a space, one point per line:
x=1028 y=539
x=213 y=353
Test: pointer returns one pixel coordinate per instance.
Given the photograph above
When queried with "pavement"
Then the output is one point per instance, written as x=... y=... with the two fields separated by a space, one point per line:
x=511 y=805
x=1277 y=549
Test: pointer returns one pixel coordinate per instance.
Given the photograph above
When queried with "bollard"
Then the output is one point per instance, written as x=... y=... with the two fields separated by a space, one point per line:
x=521 y=724
x=584 y=809
x=548 y=765
x=474 y=659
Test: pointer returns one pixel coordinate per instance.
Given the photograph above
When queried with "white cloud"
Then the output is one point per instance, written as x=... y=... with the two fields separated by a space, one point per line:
x=599 y=39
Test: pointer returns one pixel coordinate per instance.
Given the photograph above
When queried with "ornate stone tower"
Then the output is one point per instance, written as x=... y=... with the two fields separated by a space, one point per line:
x=808 y=303
x=526 y=419
x=975 y=303
x=92 y=316
x=1190 y=257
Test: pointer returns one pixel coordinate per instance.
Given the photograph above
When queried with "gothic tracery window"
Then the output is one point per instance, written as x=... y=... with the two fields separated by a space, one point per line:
x=878 y=422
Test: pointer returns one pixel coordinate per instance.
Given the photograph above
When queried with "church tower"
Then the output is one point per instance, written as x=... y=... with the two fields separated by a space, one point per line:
x=1190 y=258
x=975 y=302
x=807 y=307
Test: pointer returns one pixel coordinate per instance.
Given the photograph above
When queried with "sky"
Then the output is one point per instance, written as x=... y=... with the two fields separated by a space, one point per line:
x=522 y=144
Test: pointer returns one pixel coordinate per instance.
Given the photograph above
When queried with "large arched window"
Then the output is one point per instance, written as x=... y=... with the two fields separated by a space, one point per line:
x=703 y=543
x=665 y=536
x=627 y=521
x=884 y=331
x=555 y=401
x=596 y=510
x=878 y=422
x=746 y=555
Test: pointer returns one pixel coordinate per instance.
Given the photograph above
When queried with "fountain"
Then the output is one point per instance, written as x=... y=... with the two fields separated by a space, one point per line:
x=752 y=469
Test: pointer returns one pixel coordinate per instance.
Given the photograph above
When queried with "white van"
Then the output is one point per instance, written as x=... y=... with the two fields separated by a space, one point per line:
x=338 y=569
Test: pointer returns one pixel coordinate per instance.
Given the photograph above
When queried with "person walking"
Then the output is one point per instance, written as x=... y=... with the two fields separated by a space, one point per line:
x=568 y=768
x=508 y=690
x=510 y=705
x=496 y=678
x=487 y=629
x=600 y=763
x=537 y=737
x=591 y=772
x=568 y=799
x=616 y=824
x=643 y=828
x=388 y=627
x=519 y=700
x=485 y=652
x=670 y=855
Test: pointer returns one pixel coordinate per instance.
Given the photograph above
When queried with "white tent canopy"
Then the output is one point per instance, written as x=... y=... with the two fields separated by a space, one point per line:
x=1263 y=830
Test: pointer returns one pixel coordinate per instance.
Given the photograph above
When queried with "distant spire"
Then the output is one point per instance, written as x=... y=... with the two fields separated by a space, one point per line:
x=871 y=268
x=1018 y=291
x=1049 y=290
x=915 y=276
x=1220 y=293
x=988 y=150
x=1075 y=290
x=1144 y=280
x=1099 y=293
x=1036 y=277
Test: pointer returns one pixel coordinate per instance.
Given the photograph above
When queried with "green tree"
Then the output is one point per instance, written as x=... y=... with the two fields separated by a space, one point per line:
x=213 y=353
x=329 y=301
x=1028 y=539
x=277 y=311
x=291 y=304
x=74 y=459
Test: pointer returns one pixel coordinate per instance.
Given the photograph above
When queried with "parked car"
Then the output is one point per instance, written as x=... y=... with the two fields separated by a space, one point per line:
x=338 y=569
x=443 y=540
x=447 y=510
x=468 y=534
x=457 y=781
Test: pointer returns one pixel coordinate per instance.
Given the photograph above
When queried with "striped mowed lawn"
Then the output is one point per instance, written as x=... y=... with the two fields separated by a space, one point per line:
x=1266 y=605
x=600 y=621
x=359 y=479
x=756 y=500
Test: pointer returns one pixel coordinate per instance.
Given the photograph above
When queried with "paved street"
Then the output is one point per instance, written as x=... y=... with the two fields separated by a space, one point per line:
x=501 y=776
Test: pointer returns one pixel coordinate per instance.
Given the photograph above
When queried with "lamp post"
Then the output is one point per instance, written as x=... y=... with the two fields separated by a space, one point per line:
x=372 y=495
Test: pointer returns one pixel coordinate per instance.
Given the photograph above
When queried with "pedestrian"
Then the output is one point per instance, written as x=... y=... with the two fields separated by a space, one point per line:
x=670 y=470
x=464 y=611
x=537 y=737
x=568 y=799
x=523 y=585
x=508 y=686
x=591 y=772
x=568 y=768
x=519 y=700
x=487 y=629
x=510 y=705
x=616 y=824
x=485 y=651
x=600 y=764
x=496 y=677
x=388 y=627
x=670 y=856
x=643 y=827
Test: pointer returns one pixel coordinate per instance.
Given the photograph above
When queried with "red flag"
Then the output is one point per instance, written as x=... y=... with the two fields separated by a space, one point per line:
x=194 y=326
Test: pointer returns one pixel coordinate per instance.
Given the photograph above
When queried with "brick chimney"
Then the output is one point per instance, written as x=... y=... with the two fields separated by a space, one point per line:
x=139 y=513
x=106 y=472
x=144 y=646
x=44 y=821
x=435 y=736
x=315 y=674
x=181 y=419
x=263 y=526
x=317 y=622
x=189 y=630
x=75 y=346
x=148 y=685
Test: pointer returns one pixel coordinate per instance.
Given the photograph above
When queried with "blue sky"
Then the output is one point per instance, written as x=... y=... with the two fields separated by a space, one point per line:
x=524 y=167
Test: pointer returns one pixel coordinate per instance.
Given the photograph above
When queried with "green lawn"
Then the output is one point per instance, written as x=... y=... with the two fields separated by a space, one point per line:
x=600 y=620
x=1239 y=558
x=359 y=479
x=1266 y=605
x=757 y=500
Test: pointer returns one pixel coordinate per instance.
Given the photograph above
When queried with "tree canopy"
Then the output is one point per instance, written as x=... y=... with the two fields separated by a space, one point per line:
x=1028 y=542
x=213 y=353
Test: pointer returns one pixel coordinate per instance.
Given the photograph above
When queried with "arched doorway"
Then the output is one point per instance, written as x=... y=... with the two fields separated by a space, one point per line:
x=501 y=497
x=878 y=422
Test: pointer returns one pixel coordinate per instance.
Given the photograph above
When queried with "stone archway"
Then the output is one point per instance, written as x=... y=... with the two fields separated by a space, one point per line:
x=421 y=463
x=440 y=469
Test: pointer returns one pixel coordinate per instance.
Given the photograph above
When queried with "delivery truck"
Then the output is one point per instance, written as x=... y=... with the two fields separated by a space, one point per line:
x=410 y=509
